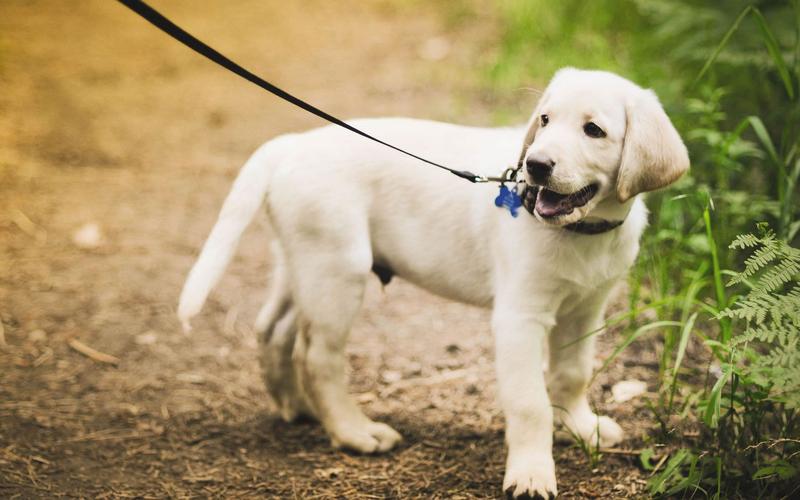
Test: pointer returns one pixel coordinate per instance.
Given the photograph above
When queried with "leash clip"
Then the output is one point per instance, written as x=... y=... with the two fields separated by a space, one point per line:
x=509 y=175
x=508 y=198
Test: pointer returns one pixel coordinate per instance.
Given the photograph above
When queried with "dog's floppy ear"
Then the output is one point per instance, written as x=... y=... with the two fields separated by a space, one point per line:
x=653 y=155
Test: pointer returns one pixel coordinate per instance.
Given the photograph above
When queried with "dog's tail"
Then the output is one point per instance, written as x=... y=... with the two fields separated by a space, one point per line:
x=240 y=207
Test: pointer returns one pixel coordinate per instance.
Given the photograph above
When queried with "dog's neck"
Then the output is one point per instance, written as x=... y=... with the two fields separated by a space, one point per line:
x=611 y=209
x=606 y=216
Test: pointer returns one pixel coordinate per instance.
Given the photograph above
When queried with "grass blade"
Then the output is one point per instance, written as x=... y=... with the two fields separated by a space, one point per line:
x=711 y=415
x=620 y=318
x=684 y=341
x=659 y=483
x=774 y=51
x=722 y=44
x=719 y=286
x=633 y=336
x=761 y=132
x=688 y=326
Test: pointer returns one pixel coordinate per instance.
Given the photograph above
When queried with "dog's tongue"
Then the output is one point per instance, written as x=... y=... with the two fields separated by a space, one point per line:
x=551 y=204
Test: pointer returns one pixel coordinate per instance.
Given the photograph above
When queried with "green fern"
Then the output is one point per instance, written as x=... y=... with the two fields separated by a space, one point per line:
x=770 y=339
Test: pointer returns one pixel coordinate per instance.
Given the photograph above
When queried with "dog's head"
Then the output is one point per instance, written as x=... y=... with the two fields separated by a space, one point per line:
x=596 y=138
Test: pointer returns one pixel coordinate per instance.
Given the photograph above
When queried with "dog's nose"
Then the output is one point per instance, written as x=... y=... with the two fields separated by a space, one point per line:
x=539 y=168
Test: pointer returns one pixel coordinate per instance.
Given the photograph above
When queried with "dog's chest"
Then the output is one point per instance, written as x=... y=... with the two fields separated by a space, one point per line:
x=591 y=262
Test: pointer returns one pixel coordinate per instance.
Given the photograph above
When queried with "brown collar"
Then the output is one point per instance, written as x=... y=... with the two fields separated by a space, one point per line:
x=529 y=194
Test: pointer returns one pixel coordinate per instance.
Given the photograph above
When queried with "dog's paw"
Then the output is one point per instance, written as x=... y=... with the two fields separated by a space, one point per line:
x=530 y=476
x=587 y=429
x=369 y=437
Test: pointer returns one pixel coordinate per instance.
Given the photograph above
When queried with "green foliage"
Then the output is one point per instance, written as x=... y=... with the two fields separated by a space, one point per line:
x=728 y=73
x=750 y=414
x=749 y=428
x=771 y=312
x=539 y=37
x=751 y=70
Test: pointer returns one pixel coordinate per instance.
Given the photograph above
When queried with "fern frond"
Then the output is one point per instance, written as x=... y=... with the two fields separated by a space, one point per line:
x=783 y=272
x=744 y=241
x=771 y=312
x=760 y=259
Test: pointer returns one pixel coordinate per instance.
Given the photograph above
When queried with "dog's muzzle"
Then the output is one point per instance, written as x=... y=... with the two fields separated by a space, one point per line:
x=549 y=204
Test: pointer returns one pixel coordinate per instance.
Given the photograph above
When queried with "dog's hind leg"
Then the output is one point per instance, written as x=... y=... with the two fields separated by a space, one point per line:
x=276 y=326
x=329 y=287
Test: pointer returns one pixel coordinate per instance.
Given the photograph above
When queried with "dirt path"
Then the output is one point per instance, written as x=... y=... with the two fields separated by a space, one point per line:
x=103 y=120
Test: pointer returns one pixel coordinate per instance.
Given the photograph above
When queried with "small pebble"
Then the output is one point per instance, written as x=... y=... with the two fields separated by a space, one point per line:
x=192 y=378
x=626 y=390
x=88 y=236
x=391 y=376
x=146 y=338
x=435 y=48
x=37 y=336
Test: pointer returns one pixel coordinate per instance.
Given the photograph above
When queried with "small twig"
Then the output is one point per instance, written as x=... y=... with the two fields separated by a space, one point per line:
x=28 y=226
x=105 y=436
x=424 y=381
x=46 y=356
x=32 y=474
x=772 y=443
x=659 y=464
x=620 y=451
x=24 y=485
x=91 y=353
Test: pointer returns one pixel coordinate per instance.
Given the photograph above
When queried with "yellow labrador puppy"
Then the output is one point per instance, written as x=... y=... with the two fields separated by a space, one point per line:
x=342 y=206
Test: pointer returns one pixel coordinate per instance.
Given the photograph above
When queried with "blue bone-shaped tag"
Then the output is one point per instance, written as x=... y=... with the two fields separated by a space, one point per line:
x=509 y=198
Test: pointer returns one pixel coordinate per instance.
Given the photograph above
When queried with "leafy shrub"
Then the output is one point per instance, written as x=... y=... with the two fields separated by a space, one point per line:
x=751 y=415
x=727 y=72
x=770 y=342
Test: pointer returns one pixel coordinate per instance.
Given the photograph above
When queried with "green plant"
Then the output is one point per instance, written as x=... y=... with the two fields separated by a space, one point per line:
x=785 y=159
x=751 y=432
x=728 y=73
x=571 y=33
x=770 y=341
x=748 y=407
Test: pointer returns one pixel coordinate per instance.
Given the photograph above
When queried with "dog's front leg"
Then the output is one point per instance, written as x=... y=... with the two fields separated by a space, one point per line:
x=571 y=364
x=530 y=469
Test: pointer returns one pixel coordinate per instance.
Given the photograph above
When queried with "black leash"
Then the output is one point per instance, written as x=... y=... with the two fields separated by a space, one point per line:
x=509 y=199
x=159 y=21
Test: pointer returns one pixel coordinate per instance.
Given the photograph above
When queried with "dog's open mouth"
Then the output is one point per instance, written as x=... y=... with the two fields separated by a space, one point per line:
x=550 y=204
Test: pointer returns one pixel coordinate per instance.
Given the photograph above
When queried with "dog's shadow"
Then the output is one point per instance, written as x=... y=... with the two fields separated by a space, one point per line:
x=437 y=453
x=306 y=435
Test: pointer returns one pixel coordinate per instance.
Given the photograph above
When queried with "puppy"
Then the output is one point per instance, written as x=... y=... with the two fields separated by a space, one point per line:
x=342 y=206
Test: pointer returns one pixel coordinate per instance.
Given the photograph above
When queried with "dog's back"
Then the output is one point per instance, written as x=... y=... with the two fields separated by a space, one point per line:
x=326 y=173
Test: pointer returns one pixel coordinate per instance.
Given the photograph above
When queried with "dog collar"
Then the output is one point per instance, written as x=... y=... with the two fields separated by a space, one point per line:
x=529 y=194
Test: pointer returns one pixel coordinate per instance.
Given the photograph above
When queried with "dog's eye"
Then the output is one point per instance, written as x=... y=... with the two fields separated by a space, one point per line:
x=592 y=130
x=545 y=120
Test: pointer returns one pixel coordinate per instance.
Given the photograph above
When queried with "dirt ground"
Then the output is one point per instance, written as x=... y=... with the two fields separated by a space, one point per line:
x=104 y=120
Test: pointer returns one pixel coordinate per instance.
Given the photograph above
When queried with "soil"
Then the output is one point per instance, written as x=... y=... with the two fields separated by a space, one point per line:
x=105 y=121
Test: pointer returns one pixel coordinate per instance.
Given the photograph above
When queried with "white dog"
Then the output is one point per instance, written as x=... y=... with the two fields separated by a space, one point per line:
x=342 y=206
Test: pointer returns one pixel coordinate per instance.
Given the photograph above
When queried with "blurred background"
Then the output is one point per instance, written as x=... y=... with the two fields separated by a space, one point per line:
x=118 y=145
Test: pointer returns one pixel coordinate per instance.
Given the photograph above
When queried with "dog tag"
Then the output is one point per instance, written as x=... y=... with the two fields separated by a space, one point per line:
x=510 y=199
